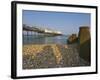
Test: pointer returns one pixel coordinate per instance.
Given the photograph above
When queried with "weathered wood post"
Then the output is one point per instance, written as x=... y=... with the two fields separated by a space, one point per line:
x=85 y=43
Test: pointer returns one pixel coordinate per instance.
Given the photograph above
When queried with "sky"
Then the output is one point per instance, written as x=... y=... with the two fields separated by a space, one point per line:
x=66 y=22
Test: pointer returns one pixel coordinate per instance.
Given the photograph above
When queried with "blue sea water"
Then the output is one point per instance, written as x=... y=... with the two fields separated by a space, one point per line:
x=34 y=39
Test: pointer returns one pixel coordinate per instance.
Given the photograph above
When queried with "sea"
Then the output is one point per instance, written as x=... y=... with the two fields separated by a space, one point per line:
x=38 y=39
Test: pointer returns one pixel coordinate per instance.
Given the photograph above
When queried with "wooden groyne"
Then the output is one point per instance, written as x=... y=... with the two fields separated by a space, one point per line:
x=85 y=43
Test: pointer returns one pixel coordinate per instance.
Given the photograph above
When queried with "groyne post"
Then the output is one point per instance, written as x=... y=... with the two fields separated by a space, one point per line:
x=85 y=43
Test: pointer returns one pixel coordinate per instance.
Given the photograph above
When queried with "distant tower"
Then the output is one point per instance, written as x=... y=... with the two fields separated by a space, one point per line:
x=85 y=43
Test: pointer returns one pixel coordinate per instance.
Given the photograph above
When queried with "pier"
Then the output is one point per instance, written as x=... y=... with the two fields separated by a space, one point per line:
x=42 y=31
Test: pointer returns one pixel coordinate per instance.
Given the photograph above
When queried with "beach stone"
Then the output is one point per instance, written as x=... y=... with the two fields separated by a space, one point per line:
x=70 y=57
x=47 y=57
x=43 y=59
